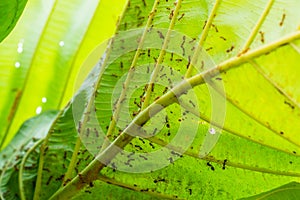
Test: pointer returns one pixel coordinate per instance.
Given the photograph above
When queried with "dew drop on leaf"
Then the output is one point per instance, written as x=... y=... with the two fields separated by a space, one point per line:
x=20 y=49
x=17 y=64
x=212 y=131
x=61 y=43
x=44 y=99
x=38 y=110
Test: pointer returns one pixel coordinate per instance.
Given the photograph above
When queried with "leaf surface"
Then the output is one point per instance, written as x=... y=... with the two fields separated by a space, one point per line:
x=208 y=92
x=43 y=56
x=10 y=13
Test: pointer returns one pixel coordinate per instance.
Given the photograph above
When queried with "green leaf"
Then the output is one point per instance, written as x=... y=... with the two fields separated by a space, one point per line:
x=289 y=191
x=14 y=161
x=48 y=51
x=253 y=149
x=191 y=100
x=112 y=191
x=10 y=11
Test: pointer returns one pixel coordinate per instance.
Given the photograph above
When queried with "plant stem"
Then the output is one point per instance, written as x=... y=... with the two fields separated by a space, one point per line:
x=202 y=38
x=22 y=165
x=257 y=26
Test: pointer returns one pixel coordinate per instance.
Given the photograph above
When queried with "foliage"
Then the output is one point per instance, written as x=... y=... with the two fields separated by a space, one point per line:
x=10 y=12
x=200 y=97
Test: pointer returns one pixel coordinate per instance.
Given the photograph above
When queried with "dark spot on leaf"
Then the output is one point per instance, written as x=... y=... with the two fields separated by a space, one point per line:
x=159 y=180
x=182 y=45
x=131 y=154
x=161 y=35
x=163 y=75
x=182 y=15
x=192 y=103
x=96 y=132
x=60 y=178
x=65 y=183
x=282 y=19
x=49 y=180
x=202 y=64
x=113 y=165
x=210 y=165
x=153 y=147
x=165 y=90
x=144 y=157
x=223 y=38
x=176 y=154
x=138 y=146
x=169 y=133
x=224 y=163
x=78 y=162
x=171 y=160
x=142 y=140
x=289 y=104
x=171 y=59
x=154 y=131
x=216 y=28
x=79 y=126
x=230 y=49
x=171 y=14
x=262 y=36
x=87 y=157
x=16 y=168
x=46 y=169
x=204 y=24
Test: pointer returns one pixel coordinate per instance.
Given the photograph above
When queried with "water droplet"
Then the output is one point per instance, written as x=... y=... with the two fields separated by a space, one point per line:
x=20 y=46
x=212 y=131
x=61 y=43
x=20 y=49
x=17 y=64
x=44 y=99
x=38 y=110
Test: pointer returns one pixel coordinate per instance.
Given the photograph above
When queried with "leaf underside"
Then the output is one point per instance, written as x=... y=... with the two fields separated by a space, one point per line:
x=237 y=130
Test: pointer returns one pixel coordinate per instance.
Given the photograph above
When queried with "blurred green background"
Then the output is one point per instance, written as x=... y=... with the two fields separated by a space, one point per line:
x=40 y=59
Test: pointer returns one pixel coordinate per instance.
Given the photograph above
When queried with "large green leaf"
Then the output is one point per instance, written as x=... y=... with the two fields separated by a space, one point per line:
x=10 y=11
x=212 y=87
x=288 y=191
x=42 y=57
x=20 y=157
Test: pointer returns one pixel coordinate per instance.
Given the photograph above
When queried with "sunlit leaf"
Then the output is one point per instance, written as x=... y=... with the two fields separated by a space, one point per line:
x=289 y=191
x=191 y=100
x=10 y=11
x=42 y=57
x=26 y=140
